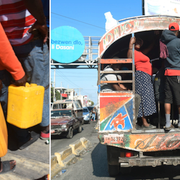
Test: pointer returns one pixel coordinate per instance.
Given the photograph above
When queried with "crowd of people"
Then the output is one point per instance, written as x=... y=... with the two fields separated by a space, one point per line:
x=144 y=87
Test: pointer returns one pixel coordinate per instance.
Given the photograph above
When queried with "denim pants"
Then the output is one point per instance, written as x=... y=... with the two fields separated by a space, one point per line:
x=34 y=57
x=5 y=77
x=93 y=116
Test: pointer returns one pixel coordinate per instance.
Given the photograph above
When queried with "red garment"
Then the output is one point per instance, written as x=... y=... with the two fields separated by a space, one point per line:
x=8 y=59
x=172 y=72
x=142 y=62
x=16 y=21
x=163 y=50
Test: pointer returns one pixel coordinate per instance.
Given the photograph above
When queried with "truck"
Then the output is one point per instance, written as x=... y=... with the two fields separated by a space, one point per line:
x=128 y=145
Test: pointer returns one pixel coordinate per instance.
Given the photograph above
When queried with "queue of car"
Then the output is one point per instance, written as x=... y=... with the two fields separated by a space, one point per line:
x=68 y=116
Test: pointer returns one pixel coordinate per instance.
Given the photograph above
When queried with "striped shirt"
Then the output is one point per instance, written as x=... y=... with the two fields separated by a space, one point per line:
x=16 y=21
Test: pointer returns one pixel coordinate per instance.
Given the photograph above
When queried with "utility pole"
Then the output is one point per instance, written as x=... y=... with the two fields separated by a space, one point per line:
x=61 y=91
x=54 y=97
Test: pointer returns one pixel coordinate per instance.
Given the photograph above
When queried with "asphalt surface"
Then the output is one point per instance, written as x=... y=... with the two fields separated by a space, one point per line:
x=31 y=163
x=60 y=142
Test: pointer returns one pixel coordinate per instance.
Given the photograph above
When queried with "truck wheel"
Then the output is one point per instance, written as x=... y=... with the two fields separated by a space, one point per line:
x=79 y=129
x=89 y=121
x=113 y=170
x=113 y=164
x=70 y=133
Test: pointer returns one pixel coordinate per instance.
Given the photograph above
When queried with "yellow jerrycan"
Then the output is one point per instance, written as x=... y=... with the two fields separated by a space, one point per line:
x=25 y=105
x=3 y=134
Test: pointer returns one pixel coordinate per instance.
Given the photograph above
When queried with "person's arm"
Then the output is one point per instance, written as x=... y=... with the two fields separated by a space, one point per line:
x=35 y=7
x=118 y=87
x=9 y=61
x=132 y=41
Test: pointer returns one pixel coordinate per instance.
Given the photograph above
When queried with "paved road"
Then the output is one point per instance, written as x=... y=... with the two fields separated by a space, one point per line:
x=93 y=164
x=58 y=142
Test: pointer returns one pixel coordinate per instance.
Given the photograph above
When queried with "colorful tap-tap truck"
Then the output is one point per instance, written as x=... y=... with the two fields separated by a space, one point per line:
x=127 y=143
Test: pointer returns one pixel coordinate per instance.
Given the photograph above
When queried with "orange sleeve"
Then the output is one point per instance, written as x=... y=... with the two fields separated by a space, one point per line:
x=8 y=59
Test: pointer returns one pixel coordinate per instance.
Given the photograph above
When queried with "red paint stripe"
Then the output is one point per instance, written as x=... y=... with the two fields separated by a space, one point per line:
x=116 y=94
x=107 y=101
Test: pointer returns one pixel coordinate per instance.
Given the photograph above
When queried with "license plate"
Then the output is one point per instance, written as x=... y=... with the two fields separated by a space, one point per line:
x=113 y=139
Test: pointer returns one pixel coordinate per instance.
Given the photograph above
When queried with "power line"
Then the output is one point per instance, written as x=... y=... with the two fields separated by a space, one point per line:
x=74 y=83
x=78 y=20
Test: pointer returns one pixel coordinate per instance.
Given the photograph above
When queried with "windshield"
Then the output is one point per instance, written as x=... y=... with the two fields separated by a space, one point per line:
x=60 y=113
x=85 y=110
x=90 y=108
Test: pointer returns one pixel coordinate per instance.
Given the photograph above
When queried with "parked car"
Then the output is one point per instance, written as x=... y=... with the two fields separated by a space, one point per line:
x=86 y=115
x=67 y=119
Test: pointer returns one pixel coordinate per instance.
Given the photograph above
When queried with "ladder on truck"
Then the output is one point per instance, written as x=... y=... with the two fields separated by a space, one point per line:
x=102 y=62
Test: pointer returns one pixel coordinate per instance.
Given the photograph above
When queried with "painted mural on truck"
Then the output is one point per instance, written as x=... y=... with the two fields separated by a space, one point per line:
x=143 y=142
x=135 y=25
x=116 y=111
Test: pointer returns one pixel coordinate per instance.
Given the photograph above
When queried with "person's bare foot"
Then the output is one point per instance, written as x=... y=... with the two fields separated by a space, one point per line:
x=146 y=125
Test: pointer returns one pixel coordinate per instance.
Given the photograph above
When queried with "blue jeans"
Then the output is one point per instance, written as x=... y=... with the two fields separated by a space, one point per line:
x=93 y=116
x=34 y=57
x=5 y=77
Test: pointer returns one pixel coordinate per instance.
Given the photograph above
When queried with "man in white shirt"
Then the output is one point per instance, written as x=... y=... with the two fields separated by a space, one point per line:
x=112 y=77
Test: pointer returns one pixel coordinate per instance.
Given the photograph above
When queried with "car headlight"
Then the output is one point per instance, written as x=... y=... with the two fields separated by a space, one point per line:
x=63 y=126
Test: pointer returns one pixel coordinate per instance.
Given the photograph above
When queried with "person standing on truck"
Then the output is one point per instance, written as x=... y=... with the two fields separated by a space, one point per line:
x=143 y=83
x=25 y=25
x=172 y=71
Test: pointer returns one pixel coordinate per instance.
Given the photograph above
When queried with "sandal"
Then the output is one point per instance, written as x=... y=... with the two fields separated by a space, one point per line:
x=6 y=166
x=149 y=127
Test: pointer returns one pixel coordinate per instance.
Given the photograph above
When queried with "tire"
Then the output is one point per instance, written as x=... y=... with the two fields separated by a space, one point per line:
x=113 y=170
x=113 y=164
x=89 y=121
x=79 y=129
x=70 y=133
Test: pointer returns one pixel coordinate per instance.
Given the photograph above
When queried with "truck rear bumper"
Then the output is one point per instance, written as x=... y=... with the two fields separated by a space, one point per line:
x=149 y=161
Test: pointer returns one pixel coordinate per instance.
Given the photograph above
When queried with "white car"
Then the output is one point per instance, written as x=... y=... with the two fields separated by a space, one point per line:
x=86 y=115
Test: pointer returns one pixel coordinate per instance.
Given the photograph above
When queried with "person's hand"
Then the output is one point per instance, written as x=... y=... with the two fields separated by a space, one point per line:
x=132 y=40
x=21 y=82
x=43 y=29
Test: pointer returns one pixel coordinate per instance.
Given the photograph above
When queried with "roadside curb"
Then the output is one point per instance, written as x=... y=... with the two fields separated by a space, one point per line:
x=61 y=159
